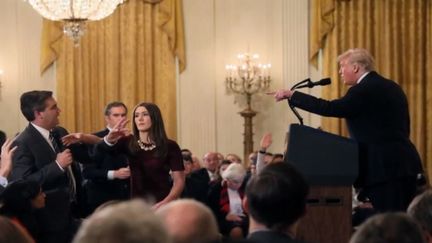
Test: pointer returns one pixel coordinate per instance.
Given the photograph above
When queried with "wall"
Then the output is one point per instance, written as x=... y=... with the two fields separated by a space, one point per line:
x=218 y=30
x=20 y=28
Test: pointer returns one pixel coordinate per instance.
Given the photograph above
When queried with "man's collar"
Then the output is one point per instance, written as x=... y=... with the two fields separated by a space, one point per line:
x=362 y=77
x=45 y=133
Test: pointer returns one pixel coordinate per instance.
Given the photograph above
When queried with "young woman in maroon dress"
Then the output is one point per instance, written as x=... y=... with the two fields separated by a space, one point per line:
x=156 y=163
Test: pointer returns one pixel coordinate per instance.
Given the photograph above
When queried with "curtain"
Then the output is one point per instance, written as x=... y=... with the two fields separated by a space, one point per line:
x=398 y=33
x=129 y=56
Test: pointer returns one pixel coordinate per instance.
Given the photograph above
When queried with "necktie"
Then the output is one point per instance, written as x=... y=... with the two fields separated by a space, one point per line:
x=69 y=172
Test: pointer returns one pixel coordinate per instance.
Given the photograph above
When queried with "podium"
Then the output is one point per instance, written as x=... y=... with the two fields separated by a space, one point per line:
x=330 y=165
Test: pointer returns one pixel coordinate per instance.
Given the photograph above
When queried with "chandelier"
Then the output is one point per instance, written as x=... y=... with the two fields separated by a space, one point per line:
x=247 y=78
x=75 y=13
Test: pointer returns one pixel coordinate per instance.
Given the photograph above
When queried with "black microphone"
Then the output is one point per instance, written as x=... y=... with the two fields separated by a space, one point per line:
x=310 y=84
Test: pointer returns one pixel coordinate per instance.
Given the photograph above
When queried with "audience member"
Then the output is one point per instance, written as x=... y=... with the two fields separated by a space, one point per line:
x=187 y=163
x=420 y=210
x=7 y=152
x=233 y=158
x=189 y=221
x=41 y=157
x=201 y=179
x=275 y=200
x=20 y=200
x=225 y=200
x=152 y=156
x=12 y=233
x=388 y=228
x=125 y=222
x=108 y=177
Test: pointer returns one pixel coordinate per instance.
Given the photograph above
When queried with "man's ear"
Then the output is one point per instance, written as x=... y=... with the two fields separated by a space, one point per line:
x=38 y=115
x=245 y=204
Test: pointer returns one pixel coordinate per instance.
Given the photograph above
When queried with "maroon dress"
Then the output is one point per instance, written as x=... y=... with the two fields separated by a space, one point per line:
x=150 y=178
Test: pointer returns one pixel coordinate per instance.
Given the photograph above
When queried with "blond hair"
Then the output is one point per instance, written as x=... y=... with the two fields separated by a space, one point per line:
x=360 y=56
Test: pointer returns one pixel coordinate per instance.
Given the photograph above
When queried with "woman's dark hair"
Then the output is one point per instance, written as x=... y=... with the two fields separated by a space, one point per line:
x=157 y=130
x=17 y=196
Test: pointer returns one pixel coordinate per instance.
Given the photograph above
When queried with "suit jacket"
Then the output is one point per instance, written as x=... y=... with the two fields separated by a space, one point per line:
x=34 y=159
x=99 y=189
x=270 y=237
x=376 y=112
x=197 y=185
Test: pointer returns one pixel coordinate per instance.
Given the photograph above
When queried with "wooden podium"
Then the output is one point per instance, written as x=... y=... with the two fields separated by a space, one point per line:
x=330 y=165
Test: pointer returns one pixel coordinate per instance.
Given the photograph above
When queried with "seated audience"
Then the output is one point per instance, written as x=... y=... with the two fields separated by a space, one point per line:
x=234 y=158
x=388 y=228
x=275 y=200
x=13 y=233
x=420 y=209
x=189 y=221
x=225 y=199
x=125 y=222
x=20 y=199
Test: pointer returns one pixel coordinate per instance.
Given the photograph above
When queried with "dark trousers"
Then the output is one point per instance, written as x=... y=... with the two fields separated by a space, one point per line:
x=394 y=195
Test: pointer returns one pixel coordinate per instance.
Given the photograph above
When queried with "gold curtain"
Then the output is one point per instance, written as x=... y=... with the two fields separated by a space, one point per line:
x=398 y=33
x=129 y=56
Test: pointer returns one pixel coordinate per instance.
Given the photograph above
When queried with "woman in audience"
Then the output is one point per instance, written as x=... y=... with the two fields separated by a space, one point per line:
x=20 y=200
x=151 y=155
x=225 y=199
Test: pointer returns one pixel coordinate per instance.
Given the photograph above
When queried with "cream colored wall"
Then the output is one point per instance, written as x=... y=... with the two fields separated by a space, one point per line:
x=216 y=31
x=20 y=29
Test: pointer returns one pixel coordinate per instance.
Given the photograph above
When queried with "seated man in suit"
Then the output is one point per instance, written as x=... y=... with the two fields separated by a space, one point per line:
x=108 y=177
x=275 y=200
x=198 y=183
x=40 y=156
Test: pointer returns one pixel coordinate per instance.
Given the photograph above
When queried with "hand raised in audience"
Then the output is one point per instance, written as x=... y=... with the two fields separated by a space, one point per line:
x=6 y=157
x=266 y=141
x=118 y=131
x=79 y=137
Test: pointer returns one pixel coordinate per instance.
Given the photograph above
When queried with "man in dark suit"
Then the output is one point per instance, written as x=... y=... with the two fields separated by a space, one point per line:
x=108 y=177
x=41 y=157
x=376 y=112
x=197 y=184
x=275 y=200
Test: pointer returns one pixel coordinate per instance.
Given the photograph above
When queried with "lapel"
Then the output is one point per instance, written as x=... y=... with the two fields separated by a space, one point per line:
x=38 y=144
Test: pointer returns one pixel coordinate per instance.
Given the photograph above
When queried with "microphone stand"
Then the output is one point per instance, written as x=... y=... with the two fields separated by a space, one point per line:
x=292 y=107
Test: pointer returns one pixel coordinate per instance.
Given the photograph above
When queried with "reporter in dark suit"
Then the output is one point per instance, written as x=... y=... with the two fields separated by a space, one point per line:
x=108 y=177
x=376 y=112
x=41 y=157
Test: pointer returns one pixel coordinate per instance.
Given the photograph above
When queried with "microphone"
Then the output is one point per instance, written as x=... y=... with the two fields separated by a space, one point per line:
x=310 y=84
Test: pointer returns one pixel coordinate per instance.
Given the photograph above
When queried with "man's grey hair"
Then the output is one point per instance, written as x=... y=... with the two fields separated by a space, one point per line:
x=421 y=210
x=125 y=222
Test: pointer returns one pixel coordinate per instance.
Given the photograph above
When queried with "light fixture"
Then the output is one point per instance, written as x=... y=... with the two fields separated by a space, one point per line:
x=75 y=13
x=247 y=78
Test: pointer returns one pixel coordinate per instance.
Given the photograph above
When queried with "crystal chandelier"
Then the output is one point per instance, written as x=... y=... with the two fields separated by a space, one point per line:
x=75 y=13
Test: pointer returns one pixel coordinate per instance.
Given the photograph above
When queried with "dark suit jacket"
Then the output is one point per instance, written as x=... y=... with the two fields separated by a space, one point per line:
x=376 y=111
x=270 y=237
x=34 y=159
x=197 y=185
x=99 y=188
